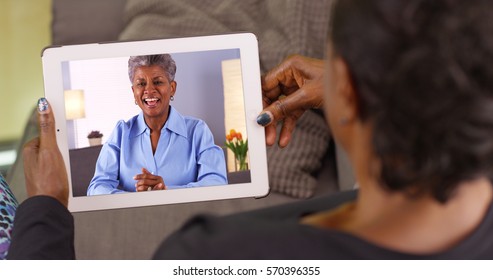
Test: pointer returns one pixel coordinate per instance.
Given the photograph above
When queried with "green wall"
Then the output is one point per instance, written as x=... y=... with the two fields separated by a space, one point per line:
x=24 y=32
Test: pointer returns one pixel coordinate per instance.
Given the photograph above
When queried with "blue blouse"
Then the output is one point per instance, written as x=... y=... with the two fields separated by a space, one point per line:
x=186 y=156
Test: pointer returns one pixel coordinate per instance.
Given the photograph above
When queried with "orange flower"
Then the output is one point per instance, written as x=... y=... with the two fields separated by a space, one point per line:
x=239 y=136
x=232 y=132
x=229 y=137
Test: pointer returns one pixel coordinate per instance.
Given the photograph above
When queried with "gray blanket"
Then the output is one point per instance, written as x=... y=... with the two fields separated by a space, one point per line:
x=283 y=27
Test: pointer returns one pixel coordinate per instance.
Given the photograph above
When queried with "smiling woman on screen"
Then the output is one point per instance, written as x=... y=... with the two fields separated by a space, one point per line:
x=159 y=148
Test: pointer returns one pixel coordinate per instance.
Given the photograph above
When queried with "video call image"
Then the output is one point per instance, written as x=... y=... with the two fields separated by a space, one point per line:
x=156 y=122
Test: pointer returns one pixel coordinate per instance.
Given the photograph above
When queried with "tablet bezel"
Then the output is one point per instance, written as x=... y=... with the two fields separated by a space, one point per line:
x=52 y=59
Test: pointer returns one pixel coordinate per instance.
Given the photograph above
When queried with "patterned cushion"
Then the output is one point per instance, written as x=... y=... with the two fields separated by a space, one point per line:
x=8 y=205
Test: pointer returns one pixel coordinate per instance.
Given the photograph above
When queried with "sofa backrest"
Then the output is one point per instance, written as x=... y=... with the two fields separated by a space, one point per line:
x=82 y=163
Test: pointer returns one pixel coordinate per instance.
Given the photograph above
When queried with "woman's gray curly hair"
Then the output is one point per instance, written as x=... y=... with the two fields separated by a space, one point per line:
x=165 y=61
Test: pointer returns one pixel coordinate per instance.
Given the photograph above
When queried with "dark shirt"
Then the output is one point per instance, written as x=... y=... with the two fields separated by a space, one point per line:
x=43 y=229
x=273 y=233
x=276 y=233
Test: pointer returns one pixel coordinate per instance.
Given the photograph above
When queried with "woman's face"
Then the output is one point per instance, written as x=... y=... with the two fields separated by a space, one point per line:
x=152 y=90
x=332 y=100
x=340 y=100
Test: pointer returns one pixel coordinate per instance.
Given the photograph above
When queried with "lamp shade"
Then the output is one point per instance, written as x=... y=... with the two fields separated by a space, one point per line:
x=234 y=105
x=75 y=107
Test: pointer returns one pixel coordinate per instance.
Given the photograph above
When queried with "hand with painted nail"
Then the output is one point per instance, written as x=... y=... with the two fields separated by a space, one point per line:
x=148 y=182
x=288 y=90
x=44 y=167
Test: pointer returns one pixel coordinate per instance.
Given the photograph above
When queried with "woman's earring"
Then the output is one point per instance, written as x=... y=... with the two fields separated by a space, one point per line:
x=343 y=121
x=135 y=102
x=172 y=98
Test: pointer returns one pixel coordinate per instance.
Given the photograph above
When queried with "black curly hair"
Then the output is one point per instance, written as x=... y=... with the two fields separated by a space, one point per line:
x=423 y=73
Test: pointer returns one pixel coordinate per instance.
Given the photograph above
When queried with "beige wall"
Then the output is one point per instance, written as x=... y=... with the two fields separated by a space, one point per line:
x=24 y=32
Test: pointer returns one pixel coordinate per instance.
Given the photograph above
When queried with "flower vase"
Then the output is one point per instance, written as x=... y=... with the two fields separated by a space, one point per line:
x=241 y=164
x=95 y=141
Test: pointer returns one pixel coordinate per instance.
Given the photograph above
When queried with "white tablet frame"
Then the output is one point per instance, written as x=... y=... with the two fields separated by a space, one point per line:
x=52 y=59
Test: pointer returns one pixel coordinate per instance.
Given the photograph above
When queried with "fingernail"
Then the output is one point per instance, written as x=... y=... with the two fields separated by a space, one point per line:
x=42 y=105
x=264 y=119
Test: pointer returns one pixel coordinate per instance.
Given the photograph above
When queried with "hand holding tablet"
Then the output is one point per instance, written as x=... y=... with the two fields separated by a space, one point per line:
x=217 y=85
x=45 y=171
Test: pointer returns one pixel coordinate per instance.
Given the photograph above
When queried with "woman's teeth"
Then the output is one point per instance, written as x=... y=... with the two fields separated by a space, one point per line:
x=151 y=101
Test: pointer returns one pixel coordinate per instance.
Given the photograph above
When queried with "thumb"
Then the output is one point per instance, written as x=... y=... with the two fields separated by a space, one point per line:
x=30 y=149
x=283 y=107
x=46 y=122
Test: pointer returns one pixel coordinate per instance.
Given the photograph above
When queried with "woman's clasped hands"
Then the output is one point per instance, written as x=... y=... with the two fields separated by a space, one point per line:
x=146 y=181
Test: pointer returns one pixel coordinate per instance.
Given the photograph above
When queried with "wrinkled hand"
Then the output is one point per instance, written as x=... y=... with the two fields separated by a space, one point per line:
x=44 y=167
x=288 y=90
x=147 y=181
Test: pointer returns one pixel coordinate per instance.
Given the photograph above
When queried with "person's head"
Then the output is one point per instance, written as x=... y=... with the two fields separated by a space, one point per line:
x=153 y=84
x=416 y=74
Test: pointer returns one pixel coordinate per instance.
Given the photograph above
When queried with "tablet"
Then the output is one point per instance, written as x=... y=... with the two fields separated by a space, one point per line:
x=122 y=111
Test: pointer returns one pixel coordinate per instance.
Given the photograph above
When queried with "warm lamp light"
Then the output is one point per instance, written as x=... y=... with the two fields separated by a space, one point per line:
x=75 y=107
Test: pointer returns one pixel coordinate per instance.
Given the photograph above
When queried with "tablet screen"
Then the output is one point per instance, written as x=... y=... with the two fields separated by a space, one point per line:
x=207 y=141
